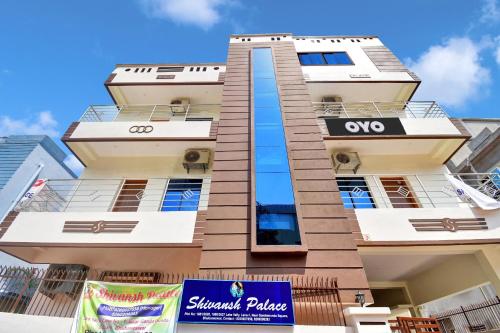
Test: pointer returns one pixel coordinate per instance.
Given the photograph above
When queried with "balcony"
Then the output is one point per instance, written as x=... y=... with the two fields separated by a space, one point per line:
x=417 y=109
x=420 y=207
x=139 y=130
x=160 y=84
x=414 y=128
x=170 y=112
x=121 y=215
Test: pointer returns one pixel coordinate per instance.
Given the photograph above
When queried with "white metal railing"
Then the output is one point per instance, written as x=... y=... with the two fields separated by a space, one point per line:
x=411 y=191
x=120 y=195
x=167 y=112
x=420 y=109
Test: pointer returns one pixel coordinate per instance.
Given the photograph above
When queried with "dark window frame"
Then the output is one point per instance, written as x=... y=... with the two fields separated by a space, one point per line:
x=325 y=63
x=173 y=199
x=355 y=202
x=165 y=69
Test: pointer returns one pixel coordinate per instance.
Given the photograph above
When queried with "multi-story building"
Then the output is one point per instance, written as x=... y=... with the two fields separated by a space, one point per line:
x=23 y=160
x=482 y=153
x=301 y=157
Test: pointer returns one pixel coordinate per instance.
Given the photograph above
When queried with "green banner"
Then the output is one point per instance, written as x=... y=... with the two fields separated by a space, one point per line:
x=117 y=307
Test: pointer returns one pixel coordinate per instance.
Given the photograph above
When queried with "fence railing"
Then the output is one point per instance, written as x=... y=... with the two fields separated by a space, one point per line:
x=411 y=191
x=413 y=325
x=478 y=317
x=55 y=291
x=167 y=112
x=418 y=109
x=120 y=195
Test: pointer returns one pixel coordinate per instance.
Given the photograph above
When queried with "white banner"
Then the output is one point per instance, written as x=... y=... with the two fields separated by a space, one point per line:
x=34 y=190
x=470 y=194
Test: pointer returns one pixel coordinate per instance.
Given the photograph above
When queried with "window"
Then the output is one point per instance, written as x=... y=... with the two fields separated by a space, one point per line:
x=325 y=58
x=130 y=195
x=311 y=59
x=131 y=277
x=182 y=195
x=165 y=77
x=170 y=69
x=355 y=193
x=275 y=204
x=337 y=58
x=399 y=192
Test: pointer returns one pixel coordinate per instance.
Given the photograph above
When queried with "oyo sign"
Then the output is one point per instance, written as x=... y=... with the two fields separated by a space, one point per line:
x=364 y=126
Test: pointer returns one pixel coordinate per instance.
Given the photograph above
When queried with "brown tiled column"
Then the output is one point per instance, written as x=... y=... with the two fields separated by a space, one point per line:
x=331 y=247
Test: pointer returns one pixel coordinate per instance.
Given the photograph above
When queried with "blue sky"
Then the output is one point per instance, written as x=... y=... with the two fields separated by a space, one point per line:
x=55 y=55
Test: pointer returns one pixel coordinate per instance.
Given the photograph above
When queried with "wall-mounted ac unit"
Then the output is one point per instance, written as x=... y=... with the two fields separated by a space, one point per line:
x=196 y=159
x=179 y=105
x=63 y=279
x=331 y=106
x=346 y=161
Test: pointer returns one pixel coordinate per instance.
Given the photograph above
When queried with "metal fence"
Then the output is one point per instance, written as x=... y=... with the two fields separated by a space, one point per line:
x=413 y=325
x=418 y=109
x=412 y=191
x=55 y=291
x=120 y=195
x=478 y=317
x=167 y=112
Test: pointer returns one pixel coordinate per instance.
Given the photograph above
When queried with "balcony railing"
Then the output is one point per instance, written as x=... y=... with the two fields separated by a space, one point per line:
x=168 y=112
x=379 y=110
x=55 y=291
x=411 y=191
x=120 y=195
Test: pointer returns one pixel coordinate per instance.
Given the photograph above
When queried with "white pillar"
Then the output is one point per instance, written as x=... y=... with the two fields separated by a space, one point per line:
x=368 y=320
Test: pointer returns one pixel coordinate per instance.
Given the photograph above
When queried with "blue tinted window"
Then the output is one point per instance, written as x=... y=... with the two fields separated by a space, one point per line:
x=265 y=99
x=182 y=195
x=337 y=58
x=275 y=204
x=273 y=188
x=329 y=58
x=311 y=59
x=269 y=135
x=355 y=193
x=271 y=159
x=264 y=86
x=267 y=116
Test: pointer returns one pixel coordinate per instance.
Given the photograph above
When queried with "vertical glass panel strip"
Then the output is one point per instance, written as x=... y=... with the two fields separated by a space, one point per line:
x=276 y=212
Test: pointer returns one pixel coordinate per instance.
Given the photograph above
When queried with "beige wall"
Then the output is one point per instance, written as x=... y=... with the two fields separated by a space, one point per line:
x=152 y=227
x=140 y=168
x=362 y=64
x=458 y=273
x=210 y=75
x=388 y=224
x=120 y=129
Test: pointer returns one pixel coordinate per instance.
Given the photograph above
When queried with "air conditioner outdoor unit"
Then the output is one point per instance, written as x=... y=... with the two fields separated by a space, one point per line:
x=196 y=159
x=179 y=105
x=331 y=106
x=63 y=279
x=346 y=161
x=331 y=99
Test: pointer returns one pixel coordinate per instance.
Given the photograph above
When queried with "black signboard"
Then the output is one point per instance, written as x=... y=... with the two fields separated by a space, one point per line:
x=364 y=126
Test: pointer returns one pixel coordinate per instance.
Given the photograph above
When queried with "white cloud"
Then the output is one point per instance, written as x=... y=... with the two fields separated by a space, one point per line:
x=497 y=54
x=43 y=123
x=490 y=12
x=451 y=73
x=202 y=13
x=74 y=164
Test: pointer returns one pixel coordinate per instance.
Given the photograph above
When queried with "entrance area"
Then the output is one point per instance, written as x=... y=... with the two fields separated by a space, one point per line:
x=422 y=282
